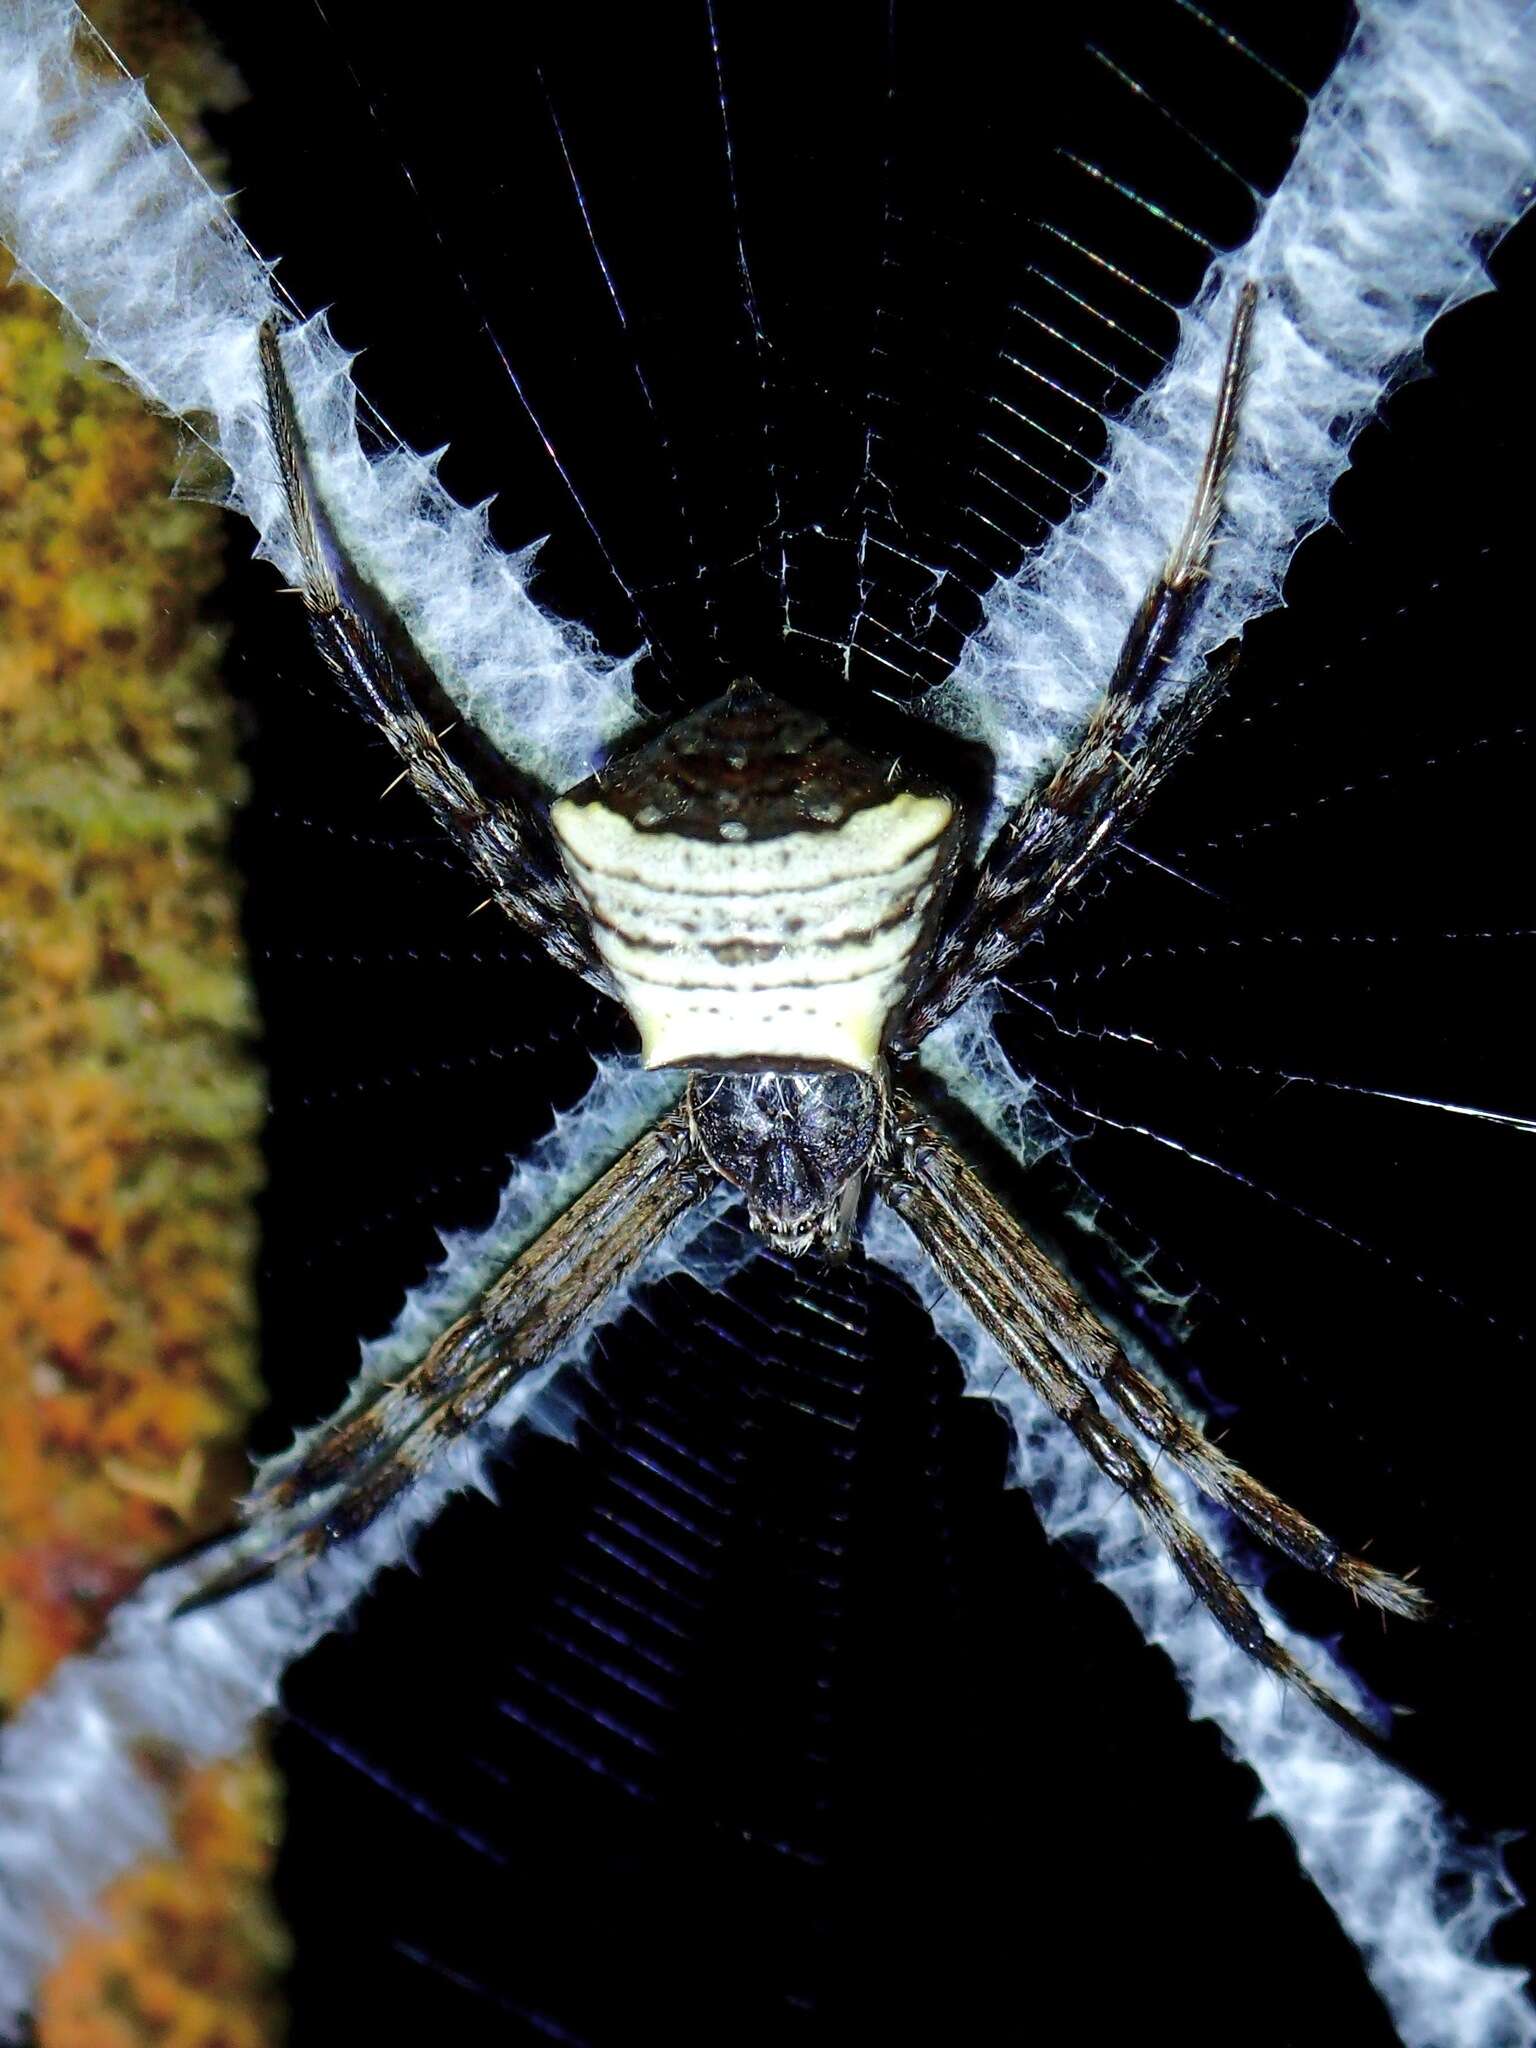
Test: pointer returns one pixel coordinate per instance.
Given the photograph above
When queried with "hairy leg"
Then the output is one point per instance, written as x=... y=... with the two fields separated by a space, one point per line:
x=494 y=815
x=344 y=1477
x=1031 y=1311
x=1099 y=790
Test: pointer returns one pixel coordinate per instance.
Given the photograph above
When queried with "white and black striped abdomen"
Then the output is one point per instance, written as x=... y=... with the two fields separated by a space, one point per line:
x=757 y=888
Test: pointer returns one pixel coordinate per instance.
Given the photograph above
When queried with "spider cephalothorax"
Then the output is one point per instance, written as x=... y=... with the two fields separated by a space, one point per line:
x=782 y=915
x=796 y=1144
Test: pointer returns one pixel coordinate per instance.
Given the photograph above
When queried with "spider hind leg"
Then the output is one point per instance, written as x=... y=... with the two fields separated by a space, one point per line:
x=1063 y=828
x=493 y=814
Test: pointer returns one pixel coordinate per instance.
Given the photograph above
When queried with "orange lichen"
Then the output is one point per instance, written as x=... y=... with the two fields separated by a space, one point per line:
x=129 y=1103
x=186 y=1950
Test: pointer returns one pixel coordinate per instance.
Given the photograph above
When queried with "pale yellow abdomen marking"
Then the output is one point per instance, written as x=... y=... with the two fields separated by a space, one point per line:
x=792 y=950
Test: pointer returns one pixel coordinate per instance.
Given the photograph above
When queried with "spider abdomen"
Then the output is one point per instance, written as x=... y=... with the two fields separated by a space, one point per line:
x=757 y=888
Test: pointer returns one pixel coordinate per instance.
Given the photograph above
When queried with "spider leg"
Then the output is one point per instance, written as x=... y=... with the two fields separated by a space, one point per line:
x=495 y=816
x=1128 y=745
x=1019 y=1298
x=1091 y=1353
x=334 y=1486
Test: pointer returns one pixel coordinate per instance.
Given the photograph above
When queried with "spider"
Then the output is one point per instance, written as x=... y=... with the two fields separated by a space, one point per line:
x=831 y=1123
x=785 y=918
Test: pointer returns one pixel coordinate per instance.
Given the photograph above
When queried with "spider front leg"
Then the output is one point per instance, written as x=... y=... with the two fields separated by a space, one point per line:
x=495 y=816
x=1100 y=789
x=344 y=1478
x=1029 y=1308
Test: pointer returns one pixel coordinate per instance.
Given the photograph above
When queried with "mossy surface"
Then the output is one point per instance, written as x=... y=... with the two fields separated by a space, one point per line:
x=130 y=1102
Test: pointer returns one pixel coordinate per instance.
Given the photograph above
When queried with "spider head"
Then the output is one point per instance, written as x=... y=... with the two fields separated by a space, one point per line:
x=796 y=1144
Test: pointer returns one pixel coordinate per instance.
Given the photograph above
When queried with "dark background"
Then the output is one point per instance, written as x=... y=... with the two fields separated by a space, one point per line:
x=761 y=1710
